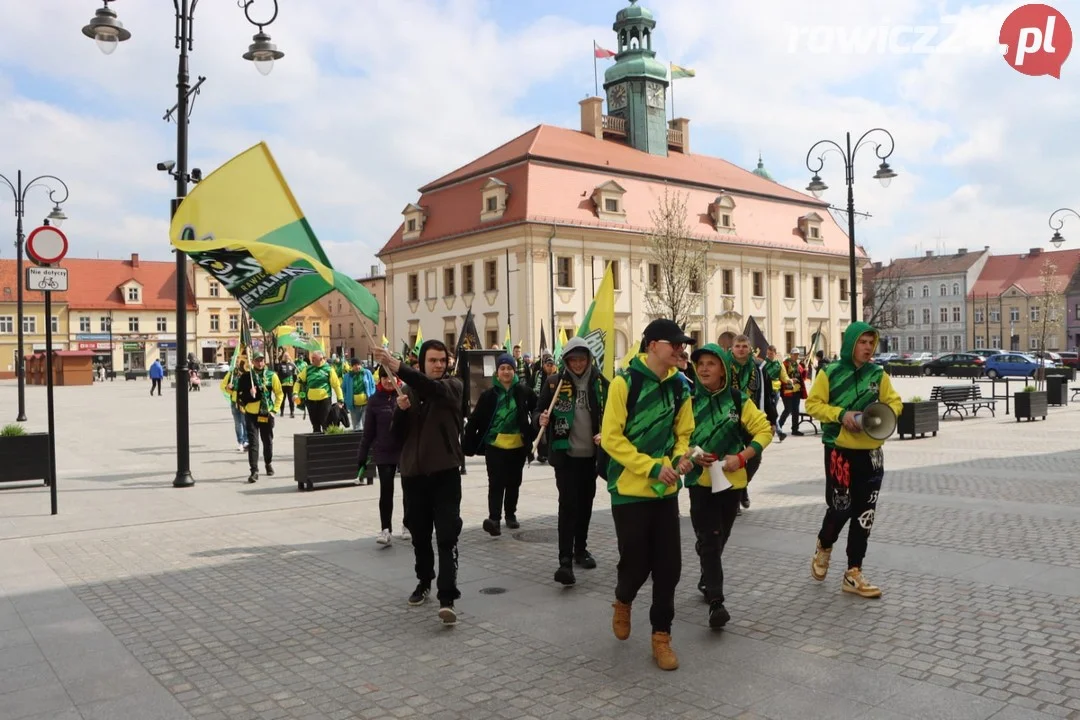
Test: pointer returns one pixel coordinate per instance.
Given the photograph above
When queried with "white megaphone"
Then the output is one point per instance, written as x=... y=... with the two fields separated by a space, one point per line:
x=878 y=420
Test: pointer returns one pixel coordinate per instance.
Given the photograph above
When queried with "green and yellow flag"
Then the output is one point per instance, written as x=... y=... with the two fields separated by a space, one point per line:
x=419 y=342
x=678 y=72
x=598 y=327
x=560 y=343
x=508 y=344
x=243 y=226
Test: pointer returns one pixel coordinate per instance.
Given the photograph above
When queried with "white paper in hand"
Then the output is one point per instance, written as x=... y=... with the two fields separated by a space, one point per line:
x=719 y=479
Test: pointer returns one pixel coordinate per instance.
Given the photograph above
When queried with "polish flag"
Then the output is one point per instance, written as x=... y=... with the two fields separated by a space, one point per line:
x=601 y=52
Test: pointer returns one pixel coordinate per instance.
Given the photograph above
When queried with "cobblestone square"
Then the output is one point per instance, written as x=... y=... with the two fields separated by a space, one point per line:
x=229 y=600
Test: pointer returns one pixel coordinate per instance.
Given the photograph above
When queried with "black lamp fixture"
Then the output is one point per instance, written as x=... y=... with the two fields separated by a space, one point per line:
x=1056 y=223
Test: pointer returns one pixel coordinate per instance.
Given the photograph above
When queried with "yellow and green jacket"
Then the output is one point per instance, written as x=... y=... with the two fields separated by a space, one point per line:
x=843 y=387
x=267 y=389
x=229 y=387
x=721 y=428
x=653 y=436
x=320 y=382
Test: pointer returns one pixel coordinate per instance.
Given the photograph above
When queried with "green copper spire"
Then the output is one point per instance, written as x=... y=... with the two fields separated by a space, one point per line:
x=637 y=82
x=760 y=171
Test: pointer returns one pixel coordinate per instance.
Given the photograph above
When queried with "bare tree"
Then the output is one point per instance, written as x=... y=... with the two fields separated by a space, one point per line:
x=1051 y=311
x=882 y=295
x=674 y=292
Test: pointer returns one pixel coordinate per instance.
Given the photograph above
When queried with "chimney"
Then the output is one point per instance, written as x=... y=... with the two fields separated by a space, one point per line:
x=134 y=260
x=961 y=251
x=682 y=126
x=1035 y=251
x=374 y=271
x=877 y=265
x=929 y=253
x=986 y=247
x=592 y=117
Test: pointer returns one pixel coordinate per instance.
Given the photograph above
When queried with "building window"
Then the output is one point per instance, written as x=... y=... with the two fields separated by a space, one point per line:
x=843 y=290
x=1051 y=342
x=29 y=324
x=413 y=283
x=450 y=340
x=814 y=232
x=789 y=287
x=942 y=290
x=616 y=279
x=7 y=325
x=316 y=329
x=352 y=329
x=910 y=317
x=910 y=291
x=817 y=287
x=492 y=338
x=789 y=340
x=978 y=315
x=926 y=291
x=133 y=324
x=492 y=204
x=611 y=205
x=429 y=285
x=728 y=282
x=695 y=281
x=1014 y=314
x=467 y=282
x=926 y=316
x=979 y=341
x=943 y=342
x=54 y=324
x=215 y=322
x=565 y=270
x=104 y=324
x=995 y=343
x=1035 y=314
x=410 y=225
x=926 y=343
x=943 y=314
x=757 y=282
x=654 y=277
x=234 y=323
x=84 y=323
x=299 y=325
x=956 y=314
x=1034 y=343
x=215 y=289
x=995 y=315
x=956 y=342
x=448 y=278
x=956 y=289
x=1076 y=312
x=339 y=331
x=162 y=324
x=491 y=276
x=911 y=343
x=133 y=294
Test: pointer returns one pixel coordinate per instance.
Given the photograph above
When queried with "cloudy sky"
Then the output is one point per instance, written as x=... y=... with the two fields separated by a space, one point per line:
x=374 y=98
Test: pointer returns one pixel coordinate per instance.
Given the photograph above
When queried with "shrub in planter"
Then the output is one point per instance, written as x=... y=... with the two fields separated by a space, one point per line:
x=1030 y=403
x=23 y=456
x=918 y=417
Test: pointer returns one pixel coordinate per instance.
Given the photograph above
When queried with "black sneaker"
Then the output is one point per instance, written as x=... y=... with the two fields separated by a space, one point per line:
x=419 y=595
x=565 y=573
x=254 y=476
x=491 y=527
x=797 y=433
x=718 y=615
x=745 y=502
x=512 y=523
x=269 y=469
x=447 y=615
x=585 y=560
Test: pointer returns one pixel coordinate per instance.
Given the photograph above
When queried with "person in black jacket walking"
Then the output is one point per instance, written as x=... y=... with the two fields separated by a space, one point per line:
x=573 y=428
x=378 y=437
x=500 y=430
x=428 y=422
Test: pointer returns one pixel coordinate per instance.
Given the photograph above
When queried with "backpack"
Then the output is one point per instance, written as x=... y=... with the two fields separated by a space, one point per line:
x=634 y=384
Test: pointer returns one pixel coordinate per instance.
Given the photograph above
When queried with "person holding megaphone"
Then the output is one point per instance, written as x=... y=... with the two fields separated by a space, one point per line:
x=854 y=462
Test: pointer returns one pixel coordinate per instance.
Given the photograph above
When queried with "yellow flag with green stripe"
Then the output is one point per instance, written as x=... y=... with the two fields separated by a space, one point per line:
x=678 y=72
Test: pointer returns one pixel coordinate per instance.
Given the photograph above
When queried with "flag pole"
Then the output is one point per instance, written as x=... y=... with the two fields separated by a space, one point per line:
x=595 y=73
x=371 y=342
x=672 y=93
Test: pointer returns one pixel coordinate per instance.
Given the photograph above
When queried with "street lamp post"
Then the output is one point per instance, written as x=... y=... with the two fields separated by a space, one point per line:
x=57 y=218
x=884 y=174
x=1056 y=223
x=107 y=31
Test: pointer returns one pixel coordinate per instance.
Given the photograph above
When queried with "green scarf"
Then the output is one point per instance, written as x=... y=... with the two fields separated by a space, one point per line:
x=562 y=415
x=772 y=369
x=505 y=419
x=264 y=383
x=717 y=421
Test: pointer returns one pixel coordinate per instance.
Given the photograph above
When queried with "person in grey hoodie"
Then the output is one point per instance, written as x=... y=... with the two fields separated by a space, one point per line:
x=573 y=435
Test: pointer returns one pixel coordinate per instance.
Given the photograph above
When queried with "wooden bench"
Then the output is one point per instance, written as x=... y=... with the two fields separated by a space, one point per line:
x=959 y=399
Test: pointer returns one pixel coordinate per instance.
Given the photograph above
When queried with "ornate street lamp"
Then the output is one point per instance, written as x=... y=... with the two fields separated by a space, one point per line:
x=107 y=31
x=1057 y=223
x=817 y=187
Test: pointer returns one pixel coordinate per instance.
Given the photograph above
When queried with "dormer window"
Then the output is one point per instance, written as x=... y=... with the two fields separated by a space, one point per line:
x=608 y=199
x=810 y=228
x=133 y=294
x=414 y=221
x=721 y=211
x=494 y=194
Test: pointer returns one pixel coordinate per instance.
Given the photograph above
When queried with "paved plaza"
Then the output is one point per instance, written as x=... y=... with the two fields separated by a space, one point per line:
x=140 y=601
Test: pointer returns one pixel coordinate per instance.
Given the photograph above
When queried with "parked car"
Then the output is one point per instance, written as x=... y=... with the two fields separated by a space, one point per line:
x=1070 y=359
x=985 y=352
x=941 y=365
x=1053 y=357
x=921 y=357
x=886 y=358
x=1011 y=365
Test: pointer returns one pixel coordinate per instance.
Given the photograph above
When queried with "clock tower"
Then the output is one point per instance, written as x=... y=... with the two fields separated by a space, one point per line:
x=637 y=83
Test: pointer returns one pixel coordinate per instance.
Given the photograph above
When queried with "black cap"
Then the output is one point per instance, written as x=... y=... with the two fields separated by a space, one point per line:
x=668 y=330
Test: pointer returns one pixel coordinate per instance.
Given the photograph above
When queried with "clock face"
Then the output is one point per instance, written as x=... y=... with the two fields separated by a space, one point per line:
x=616 y=97
x=654 y=95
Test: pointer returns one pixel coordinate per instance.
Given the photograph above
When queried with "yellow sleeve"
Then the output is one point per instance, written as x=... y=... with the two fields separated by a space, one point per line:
x=225 y=382
x=279 y=396
x=783 y=375
x=335 y=384
x=757 y=424
x=301 y=377
x=613 y=439
x=888 y=395
x=817 y=401
x=684 y=425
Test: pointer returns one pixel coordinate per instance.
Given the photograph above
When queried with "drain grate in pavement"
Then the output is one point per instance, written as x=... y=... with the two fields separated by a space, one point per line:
x=545 y=535
x=492 y=591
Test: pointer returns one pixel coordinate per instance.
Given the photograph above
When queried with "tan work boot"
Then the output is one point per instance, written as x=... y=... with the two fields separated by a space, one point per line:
x=854 y=582
x=662 y=653
x=620 y=621
x=819 y=566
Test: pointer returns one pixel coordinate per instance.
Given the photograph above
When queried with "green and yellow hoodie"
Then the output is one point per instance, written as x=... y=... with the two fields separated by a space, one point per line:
x=843 y=387
x=719 y=428
x=651 y=438
x=320 y=382
x=505 y=430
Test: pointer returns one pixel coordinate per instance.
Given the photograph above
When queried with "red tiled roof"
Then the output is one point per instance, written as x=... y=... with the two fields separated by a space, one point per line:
x=9 y=285
x=1001 y=272
x=95 y=284
x=929 y=265
x=552 y=172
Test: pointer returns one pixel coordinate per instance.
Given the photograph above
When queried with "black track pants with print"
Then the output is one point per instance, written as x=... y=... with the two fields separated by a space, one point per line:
x=852 y=483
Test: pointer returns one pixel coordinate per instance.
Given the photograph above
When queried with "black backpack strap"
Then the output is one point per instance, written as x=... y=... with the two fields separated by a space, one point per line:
x=634 y=383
